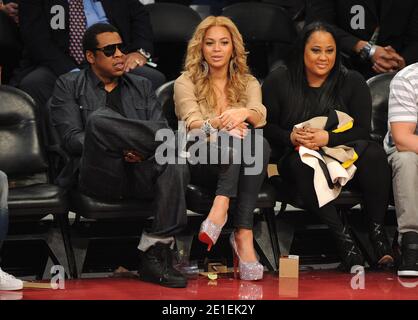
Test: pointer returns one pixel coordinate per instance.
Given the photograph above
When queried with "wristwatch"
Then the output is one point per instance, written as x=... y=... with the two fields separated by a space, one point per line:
x=146 y=54
x=367 y=52
x=147 y=57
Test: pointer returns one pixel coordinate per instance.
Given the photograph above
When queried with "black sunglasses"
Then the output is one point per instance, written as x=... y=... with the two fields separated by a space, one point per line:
x=110 y=49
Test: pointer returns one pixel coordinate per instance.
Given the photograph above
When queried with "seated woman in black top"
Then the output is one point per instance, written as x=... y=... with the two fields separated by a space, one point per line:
x=312 y=83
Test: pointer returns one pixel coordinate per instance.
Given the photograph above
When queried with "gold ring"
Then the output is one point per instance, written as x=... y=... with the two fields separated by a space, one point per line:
x=138 y=62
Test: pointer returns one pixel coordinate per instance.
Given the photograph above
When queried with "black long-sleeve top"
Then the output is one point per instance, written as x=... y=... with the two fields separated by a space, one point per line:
x=48 y=46
x=398 y=21
x=356 y=102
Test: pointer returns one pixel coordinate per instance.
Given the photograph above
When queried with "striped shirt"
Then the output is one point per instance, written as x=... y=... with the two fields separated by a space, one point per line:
x=403 y=101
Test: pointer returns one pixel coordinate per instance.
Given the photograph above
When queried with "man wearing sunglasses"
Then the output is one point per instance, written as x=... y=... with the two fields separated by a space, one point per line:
x=107 y=120
x=51 y=31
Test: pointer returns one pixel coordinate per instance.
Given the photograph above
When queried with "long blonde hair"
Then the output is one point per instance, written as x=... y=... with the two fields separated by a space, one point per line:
x=237 y=78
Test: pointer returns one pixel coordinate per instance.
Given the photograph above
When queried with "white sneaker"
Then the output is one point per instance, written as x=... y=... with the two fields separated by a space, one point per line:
x=8 y=282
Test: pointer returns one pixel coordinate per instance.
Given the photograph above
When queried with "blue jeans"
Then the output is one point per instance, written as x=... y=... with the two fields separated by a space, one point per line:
x=4 y=217
x=4 y=224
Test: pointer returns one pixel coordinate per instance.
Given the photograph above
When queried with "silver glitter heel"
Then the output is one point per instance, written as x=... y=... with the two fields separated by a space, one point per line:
x=209 y=232
x=247 y=270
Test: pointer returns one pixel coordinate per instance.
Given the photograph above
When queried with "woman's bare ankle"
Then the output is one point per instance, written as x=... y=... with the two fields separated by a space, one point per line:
x=219 y=210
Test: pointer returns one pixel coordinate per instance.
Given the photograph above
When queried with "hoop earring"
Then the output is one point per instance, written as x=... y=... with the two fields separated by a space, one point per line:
x=205 y=68
x=232 y=67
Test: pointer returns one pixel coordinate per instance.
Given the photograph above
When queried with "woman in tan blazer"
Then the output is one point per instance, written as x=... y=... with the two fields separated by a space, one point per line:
x=217 y=97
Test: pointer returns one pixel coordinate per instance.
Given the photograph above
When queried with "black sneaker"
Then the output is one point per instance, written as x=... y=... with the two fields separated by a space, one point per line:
x=156 y=266
x=409 y=259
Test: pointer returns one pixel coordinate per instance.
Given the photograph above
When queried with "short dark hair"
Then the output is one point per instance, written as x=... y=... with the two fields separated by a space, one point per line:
x=90 y=36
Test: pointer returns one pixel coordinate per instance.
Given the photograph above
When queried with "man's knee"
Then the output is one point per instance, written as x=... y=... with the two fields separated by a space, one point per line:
x=98 y=122
x=39 y=83
x=156 y=77
x=405 y=160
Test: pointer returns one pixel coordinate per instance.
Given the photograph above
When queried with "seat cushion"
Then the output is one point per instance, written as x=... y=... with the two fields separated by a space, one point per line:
x=94 y=208
x=200 y=199
x=286 y=193
x=37 y=199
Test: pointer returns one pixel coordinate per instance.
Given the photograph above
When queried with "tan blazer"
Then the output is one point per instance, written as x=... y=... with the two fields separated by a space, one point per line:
x=188 y=109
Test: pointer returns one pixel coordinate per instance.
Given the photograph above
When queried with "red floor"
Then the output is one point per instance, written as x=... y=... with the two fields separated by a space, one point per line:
x=311 y=285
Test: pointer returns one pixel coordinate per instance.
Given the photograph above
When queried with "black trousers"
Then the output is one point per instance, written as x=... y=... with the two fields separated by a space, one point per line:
x=104 y=172
x=233 y=181
x=372 y=179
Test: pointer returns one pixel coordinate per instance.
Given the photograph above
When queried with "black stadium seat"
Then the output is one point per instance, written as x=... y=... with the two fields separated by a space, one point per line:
x=173 y=25
x=268 y=33
x=22 y=157
x=379 y=90
x=379 y=86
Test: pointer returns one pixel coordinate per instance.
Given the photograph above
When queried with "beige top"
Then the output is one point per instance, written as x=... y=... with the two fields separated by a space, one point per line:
x=188 y=109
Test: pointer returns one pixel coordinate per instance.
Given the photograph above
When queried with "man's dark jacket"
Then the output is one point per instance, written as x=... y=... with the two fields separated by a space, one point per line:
x=398 y=23
x=78 y=94
x=45 y=46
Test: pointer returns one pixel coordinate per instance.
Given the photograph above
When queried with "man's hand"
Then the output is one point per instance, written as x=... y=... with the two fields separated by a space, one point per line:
x=12 y=9
x=397 y=57
x=134 y=60
x=386 y=59
x=132 y=156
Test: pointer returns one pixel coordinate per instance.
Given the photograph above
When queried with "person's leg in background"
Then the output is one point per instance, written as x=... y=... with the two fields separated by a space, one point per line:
x=7 y=281
x=405 y=191
x=39 y=84
x=156 y=77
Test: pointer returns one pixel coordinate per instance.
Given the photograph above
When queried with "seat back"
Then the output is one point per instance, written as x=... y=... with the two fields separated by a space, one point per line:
x=204 y=10
x=165 y=97
x=21 y=155
x=268 y=33
x=379 y=89
x=294 y=7
x=173 y=25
